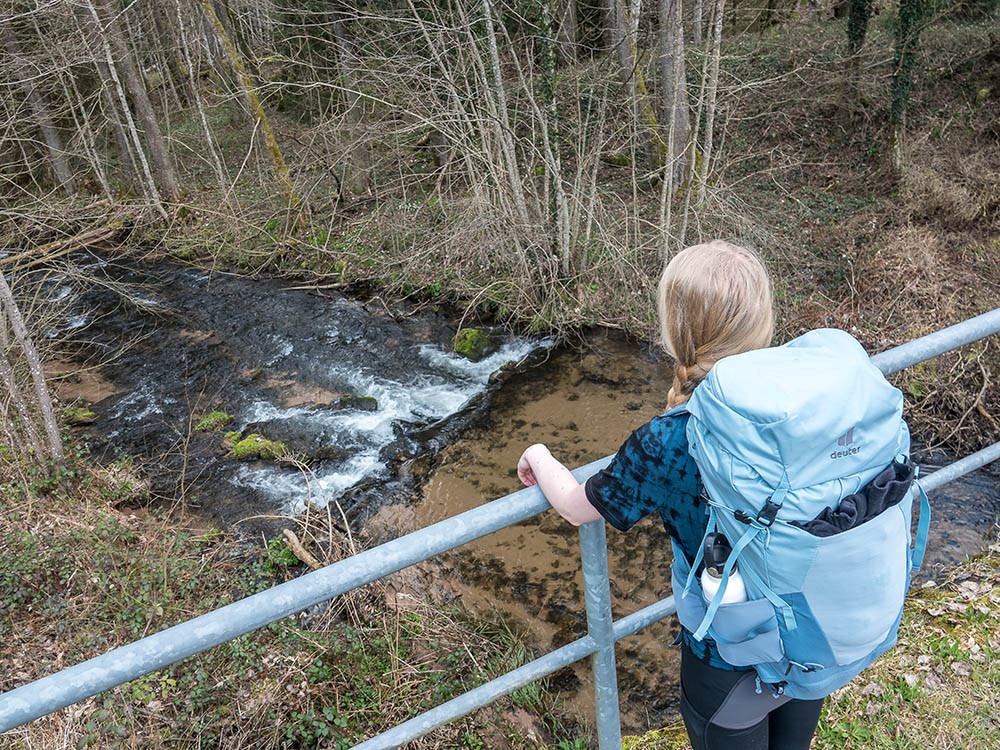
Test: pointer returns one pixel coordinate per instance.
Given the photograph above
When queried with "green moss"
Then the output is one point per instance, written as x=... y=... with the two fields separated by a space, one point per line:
x=214 y=420
x=472 y=343
x=255 y=446
x=671 y=737
x=78 y=415
x=234 y=436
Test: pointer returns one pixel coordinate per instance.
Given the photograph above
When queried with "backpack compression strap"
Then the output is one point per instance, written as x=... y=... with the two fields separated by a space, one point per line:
x=713 y=606
x=920 y=544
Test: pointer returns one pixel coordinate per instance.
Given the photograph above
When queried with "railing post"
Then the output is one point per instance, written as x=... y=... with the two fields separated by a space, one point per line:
x=600 y=625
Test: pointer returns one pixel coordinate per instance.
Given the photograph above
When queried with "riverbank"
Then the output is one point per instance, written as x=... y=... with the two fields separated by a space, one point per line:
x=89 y=564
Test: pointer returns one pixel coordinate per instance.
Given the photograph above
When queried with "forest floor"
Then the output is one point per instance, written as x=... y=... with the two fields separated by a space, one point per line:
x=90 y=563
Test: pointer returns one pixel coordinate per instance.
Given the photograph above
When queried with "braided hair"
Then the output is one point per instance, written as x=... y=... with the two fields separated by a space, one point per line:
x=714 y=300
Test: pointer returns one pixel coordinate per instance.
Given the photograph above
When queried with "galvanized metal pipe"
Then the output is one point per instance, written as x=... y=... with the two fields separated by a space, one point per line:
x=601 y=627
x=481 y=696
x=157 y=651
x=951 y=472
x=939 y=342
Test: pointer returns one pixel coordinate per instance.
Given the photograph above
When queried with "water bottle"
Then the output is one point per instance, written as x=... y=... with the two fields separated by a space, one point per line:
x=717 y=551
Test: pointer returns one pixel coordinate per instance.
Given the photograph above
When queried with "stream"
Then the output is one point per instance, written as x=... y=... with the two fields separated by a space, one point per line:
x=433 y=434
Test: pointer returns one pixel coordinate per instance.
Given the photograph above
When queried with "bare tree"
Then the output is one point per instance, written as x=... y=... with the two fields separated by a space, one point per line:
x=34 y=367
x=40 y=111
x=108 y=20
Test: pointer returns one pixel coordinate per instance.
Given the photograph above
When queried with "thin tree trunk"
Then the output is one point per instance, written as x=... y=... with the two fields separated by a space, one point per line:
x=164 y=170
x=53 y=141
x=674 y=76
x=9 y=380
x=35 y=367
x=506 y=141
x=675 y=107
x=635 y=84
x=280 y=168
x=713 y=87
x=195 y=95
x=567 y=32
x=110 y=72
x=358 y=178
x=696 y=21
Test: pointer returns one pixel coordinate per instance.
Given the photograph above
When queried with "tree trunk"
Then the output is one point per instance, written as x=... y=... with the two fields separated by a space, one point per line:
x=9 y=380
x=696 y=21
x=635 y=84
x=674 y=76
x=163 y=170
x=35 y=367
x=39 y=110
x=220 y=171
x=567 y=32
x=236 y=62
x=907 y=46
x=712 y=90
x=358 y=177
x=500 y=96
x=857 y=26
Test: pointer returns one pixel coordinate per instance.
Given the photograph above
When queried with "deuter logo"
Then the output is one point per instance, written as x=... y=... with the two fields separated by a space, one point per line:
x=846 y=440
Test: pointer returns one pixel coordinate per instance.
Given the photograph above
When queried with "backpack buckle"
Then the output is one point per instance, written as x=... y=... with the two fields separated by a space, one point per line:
x=767 y=514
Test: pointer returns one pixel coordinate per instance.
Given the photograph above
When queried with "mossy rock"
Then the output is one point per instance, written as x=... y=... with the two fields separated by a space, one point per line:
x=473 y=343
x=361 y=403
x=80 y=416
x=233 y=437
x=256 y=446
x=214 y=420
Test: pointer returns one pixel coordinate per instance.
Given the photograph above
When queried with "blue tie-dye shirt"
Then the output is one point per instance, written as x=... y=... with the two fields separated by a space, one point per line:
x=654 y=473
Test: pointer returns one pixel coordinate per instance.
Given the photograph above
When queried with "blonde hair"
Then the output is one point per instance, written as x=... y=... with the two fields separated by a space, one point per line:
x=714 y=300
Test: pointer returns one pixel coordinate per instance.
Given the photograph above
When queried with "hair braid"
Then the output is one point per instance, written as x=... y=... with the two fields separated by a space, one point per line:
x=686 y=379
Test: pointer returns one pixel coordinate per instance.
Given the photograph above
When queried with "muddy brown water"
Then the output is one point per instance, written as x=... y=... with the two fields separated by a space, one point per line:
x=277 y=358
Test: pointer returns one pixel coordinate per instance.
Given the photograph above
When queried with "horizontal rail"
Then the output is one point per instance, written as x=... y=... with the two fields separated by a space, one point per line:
x=967 y=465
x=157 y=651
x=939 y=342
x=508 y=683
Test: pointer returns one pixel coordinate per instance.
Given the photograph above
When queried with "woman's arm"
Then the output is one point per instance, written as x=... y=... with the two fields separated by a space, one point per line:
x=564 y=493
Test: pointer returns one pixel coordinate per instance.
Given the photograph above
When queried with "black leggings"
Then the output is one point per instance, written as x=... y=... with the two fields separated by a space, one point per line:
x=703 y=688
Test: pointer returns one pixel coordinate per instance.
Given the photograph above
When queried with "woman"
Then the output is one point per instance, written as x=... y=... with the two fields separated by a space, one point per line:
x=714 y=301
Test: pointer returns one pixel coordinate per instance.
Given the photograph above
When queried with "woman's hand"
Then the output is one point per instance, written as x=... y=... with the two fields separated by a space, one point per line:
x=525 y=472
x=537 y=466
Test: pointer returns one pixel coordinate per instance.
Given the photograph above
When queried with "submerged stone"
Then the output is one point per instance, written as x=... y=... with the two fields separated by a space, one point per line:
x=329 y=453
x=473 y=343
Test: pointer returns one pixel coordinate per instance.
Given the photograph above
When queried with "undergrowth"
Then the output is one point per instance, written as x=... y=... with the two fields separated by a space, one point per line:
x=87 y=566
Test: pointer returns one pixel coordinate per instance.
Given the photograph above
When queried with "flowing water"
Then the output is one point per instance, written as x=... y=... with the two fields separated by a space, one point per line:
x=286 y=363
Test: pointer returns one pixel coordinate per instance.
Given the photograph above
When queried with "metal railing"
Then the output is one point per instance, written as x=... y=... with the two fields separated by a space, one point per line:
x=134 y=660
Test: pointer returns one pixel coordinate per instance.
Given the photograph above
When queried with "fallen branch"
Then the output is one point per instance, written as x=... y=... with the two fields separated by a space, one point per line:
x=64 y=246
x=299 y=551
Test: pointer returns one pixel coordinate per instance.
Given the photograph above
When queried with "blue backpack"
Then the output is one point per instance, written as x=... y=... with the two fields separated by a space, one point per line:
x=781 y=435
